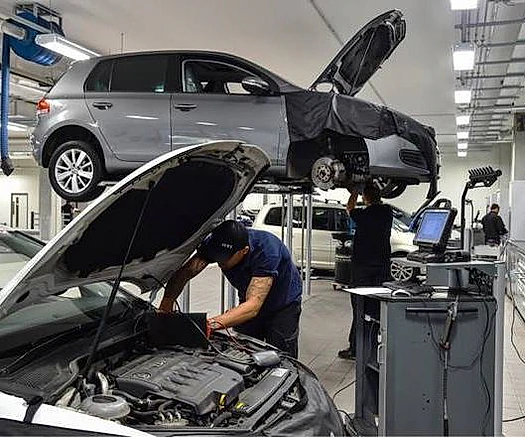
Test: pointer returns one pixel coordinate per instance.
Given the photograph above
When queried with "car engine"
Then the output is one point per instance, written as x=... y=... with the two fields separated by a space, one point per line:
x=178 y=387
x=182 y=378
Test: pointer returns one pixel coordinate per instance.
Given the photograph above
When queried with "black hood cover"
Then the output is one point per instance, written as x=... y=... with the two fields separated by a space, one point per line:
x=364 y=54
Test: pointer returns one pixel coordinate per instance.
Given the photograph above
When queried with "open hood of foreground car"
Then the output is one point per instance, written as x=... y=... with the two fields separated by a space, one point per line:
x=178 y=199
x=364 y=54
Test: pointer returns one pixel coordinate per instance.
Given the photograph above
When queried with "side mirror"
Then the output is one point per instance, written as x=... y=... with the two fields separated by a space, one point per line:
x=255 y=85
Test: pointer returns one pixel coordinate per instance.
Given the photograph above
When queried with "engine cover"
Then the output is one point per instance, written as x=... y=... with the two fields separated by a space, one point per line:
x=184 y=378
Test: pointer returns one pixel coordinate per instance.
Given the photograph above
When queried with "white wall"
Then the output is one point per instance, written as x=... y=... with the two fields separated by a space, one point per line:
x=22 y=180
x=453 y=176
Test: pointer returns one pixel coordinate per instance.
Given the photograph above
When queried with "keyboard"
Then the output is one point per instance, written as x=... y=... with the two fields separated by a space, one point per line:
x=412 y=287
x=426 y=257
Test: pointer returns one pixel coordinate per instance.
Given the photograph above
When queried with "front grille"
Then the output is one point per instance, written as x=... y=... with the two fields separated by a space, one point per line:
x=414 y=158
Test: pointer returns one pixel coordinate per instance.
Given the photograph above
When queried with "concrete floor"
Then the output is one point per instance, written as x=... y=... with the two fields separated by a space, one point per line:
x=324 y=330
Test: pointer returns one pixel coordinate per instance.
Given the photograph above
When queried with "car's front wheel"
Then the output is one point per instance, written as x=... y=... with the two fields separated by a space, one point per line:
x=75 y=170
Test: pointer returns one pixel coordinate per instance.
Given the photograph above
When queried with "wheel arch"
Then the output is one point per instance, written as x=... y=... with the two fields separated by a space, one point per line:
x=71 y=133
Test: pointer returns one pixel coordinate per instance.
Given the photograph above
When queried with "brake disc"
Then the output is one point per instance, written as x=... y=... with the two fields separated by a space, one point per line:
x=328 y=172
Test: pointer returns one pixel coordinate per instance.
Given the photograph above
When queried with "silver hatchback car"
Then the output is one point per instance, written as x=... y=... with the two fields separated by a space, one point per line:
x=107 y=116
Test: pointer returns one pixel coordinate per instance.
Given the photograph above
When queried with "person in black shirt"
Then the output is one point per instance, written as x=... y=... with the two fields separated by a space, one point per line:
x=371 y=248
x=493 y=226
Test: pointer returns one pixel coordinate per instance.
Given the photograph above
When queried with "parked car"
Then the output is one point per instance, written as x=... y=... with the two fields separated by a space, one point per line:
x=130 y=385
x=108 y=115
x=16 y=249
x=328 y=218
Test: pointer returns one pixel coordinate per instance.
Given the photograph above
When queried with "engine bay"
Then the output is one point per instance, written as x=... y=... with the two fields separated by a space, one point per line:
x=231 y=384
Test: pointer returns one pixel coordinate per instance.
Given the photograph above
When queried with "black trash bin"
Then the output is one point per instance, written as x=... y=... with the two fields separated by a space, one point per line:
x=343 y=258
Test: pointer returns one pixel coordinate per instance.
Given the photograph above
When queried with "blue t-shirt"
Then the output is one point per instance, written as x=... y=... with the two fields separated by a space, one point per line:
x=268 y=256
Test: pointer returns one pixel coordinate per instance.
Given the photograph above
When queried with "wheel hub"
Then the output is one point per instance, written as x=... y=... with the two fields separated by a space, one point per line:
x=327 y=172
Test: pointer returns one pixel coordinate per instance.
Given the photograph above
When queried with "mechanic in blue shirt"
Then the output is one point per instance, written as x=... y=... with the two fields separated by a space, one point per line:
x=261 y=268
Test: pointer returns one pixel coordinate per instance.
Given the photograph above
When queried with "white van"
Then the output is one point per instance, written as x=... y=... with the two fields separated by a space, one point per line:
x=329 y=218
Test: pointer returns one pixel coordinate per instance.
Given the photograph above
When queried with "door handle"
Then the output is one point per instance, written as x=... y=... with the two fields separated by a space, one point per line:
x=185 y=107
x=102 y=105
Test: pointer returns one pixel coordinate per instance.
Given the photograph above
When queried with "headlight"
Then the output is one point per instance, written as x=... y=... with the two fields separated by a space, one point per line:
x=338 y=244
x=348 y=243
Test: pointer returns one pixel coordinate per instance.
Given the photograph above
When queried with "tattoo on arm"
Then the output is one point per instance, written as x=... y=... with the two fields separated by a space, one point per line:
x=258 y=290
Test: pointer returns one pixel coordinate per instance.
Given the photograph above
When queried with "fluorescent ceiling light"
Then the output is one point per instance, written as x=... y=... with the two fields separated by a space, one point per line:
x=61 y=45
x=462 y=135
x=462 y=146
x=462 y=153
x=458 y=5
x=462 y=97
x=463 y=56
x=462 y=120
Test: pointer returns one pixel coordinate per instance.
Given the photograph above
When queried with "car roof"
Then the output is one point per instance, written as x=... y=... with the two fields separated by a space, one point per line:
x=281 y=82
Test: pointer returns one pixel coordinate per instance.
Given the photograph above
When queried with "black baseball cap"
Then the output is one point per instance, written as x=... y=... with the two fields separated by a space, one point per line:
x=223 y=242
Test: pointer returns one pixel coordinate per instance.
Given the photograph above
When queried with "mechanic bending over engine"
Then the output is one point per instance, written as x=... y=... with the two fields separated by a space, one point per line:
x=261 y=268
x=371 y=248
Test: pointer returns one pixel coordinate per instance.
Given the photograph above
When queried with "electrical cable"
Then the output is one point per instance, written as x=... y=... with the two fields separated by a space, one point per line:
x=201 y=332
x=514 y=419
x=350 y=384
x=514 y=309
x=489 y=322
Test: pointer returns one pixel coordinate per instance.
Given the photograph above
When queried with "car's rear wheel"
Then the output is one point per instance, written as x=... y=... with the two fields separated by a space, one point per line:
x=401 y=272
x=75 y=170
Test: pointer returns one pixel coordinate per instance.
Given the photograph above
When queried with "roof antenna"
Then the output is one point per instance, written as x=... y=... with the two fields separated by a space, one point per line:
x=98 y=336
x=121 y=42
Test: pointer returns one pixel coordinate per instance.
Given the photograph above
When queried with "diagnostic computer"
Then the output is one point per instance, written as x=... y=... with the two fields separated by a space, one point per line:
x=432 y=236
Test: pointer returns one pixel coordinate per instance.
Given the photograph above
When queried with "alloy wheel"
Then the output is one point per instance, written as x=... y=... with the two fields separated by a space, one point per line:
x=74 y=171
x=401 y=272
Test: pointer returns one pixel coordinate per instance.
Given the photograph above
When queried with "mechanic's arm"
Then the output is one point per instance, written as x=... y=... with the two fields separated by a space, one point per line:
x=352 y=200
x=178 y=280
x=256 y=294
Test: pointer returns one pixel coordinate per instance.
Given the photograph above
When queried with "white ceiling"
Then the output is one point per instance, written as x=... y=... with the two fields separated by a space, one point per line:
x=288 y=37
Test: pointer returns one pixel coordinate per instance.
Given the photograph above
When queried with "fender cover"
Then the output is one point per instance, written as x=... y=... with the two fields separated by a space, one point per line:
x=312 y=114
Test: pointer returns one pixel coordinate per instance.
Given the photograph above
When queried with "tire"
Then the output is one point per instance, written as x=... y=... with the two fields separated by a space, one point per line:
x=75 y=170
x=402 y=273
x=390 y=188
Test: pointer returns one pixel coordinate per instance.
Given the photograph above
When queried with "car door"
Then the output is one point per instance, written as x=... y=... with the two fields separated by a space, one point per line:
x=133 y=110
x=212 y=104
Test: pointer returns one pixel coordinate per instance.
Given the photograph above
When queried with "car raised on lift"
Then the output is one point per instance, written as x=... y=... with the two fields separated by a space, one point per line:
x=109 y=115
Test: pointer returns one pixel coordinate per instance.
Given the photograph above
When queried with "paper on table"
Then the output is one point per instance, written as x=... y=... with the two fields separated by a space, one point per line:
x=364 y=291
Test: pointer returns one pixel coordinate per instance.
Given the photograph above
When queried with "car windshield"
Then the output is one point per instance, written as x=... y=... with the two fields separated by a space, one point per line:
x=73 y=308
x=16 y=249
x=51 y=315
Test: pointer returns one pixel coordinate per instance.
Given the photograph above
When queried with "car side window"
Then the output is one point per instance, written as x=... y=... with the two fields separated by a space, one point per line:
x=98 y=80
x=274 y=218
x=212 y=77
x=340 y=220
x=140 y=74
x=322 y=219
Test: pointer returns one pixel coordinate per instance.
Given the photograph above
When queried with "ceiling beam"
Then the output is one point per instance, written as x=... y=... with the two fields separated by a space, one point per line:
x=490 y=23
x=502 y=61
x=502 y=44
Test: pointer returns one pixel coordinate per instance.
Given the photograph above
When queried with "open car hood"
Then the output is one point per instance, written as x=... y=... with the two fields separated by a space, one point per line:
x=362 y=56
x=177 y=199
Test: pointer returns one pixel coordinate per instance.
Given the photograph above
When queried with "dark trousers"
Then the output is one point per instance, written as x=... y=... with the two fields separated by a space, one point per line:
x=280 y=329
x=365 y=276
